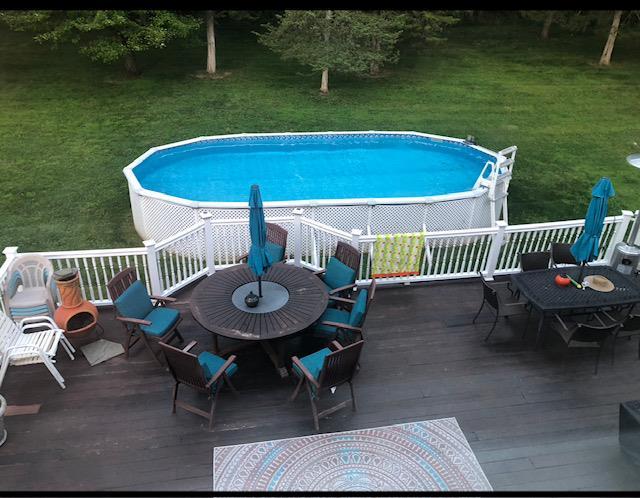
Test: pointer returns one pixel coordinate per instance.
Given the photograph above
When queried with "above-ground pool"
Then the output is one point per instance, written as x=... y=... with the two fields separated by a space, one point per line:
x=339 y=178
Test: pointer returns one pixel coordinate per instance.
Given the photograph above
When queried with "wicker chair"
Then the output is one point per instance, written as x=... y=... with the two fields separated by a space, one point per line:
x=582 y=334
x=140 y=318
x=504 y=303
x=561 y=254
x=326 y=369
x=28 y=289
x=342 y=270
x=276 y=243
x=205 y=373
x=349 y=319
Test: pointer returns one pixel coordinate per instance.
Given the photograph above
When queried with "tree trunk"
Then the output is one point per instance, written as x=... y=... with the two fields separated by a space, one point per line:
x=130 y=64
x=547 y=25
x=324 y=85
x=374 y=68
x=211 y=44
x=605 y=58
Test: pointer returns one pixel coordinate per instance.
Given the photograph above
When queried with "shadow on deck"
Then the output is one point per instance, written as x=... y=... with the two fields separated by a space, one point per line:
x=533 y=420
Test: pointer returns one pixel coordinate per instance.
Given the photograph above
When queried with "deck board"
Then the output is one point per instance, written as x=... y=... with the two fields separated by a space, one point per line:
x=536 y=419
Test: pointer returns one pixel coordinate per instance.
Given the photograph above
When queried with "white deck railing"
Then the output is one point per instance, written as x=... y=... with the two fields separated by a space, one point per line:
x=171 y=264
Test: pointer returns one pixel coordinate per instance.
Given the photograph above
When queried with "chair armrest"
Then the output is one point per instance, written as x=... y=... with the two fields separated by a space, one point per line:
x=343 y=288
x=163 y=298
x=189 y=346
x=344 y=326
x=40 y=325
x=42 y=320
x=307 y=374
x=221 y=370
x=342 y=299
x=336 y=345
x=244 y=257
x=319 y=272
x=135 y=321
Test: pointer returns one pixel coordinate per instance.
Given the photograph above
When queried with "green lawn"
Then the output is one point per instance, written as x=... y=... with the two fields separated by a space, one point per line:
x=69 y=126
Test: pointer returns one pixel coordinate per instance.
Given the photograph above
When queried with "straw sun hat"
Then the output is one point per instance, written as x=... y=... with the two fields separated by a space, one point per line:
x=599 y=283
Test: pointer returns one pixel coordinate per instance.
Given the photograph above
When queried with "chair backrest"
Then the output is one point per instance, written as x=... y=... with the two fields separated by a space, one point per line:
x=184 y=367
x=561 y=254
x=530 y=261
x=593 y=333
x=32 y=270
x=121 y=282
x=361 y=307
x=340 y=366
x=348 y=255
x=277 y=235
x=134 y=302
x=8 y=332
x=489 y=293
x=631 y=323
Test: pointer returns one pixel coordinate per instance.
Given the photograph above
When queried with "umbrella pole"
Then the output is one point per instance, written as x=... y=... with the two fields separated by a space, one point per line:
x=259 y=286
x=582 y=265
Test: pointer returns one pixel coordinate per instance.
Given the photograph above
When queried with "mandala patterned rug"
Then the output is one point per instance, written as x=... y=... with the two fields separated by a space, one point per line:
x=432 y=455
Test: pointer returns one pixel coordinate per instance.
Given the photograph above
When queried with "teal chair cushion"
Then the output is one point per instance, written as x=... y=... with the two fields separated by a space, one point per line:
x=356 y=316
x=338 y=274
x=211 y=364
x=313 y=363
x=162 y=319
x=134 y=302
x=330 y=315
x=275 y=252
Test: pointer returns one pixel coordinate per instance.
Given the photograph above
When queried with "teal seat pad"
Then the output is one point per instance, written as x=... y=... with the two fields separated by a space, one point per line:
x=162 y=319
x=313 y=363
x=211 y=364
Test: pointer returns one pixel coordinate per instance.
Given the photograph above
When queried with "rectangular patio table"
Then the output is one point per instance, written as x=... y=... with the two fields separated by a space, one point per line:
x=538 y=287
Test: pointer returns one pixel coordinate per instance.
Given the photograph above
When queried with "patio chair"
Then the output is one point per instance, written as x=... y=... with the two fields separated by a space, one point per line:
x=276 y=243
x=531 y=261
x=561 y=254
x=504 y=303
x=28 y=289
x=326 y=369
x=350 y=318
x=585 y=335
x=140 y=317
x=342 y=269
x=34 y=340
x=205 y=373
x=629 y=327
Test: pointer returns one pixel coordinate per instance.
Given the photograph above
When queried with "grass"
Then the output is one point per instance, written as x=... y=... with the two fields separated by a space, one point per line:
x=69 y=126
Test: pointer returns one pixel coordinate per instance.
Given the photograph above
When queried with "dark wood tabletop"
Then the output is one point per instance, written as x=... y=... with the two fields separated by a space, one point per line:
x=212 y=307
x=539 y=288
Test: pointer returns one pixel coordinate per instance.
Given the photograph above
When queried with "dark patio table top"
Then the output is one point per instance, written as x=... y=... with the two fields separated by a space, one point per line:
x=540 y=289
x=212 y=306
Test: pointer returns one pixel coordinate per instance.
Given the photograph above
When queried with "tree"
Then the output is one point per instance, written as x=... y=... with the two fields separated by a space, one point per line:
x=105 y=35
x=426 y=26
x=344 y=41
x=605 y=58
x=210 y=19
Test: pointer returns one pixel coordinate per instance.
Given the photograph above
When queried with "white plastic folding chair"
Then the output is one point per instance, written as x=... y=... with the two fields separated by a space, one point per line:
x=34 y=340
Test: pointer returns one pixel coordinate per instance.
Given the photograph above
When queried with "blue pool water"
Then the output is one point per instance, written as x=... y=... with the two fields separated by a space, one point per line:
x=289 y=168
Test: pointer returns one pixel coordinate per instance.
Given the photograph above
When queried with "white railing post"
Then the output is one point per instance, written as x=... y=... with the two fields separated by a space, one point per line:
x=494 y=251
x=297 y=236
x=355 y=237
x=618 y=234
x=11 y=253
x=208 y=242
x=152 y=266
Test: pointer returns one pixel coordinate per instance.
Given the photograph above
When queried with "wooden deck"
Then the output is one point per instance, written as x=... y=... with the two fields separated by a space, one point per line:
x=534 y=422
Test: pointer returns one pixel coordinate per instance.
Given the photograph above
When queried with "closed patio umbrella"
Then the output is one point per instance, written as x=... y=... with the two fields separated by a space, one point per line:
x=585 y=249
x=259 y=261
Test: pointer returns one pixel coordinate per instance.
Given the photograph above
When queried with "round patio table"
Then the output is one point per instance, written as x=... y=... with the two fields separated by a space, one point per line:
x=293 y=298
